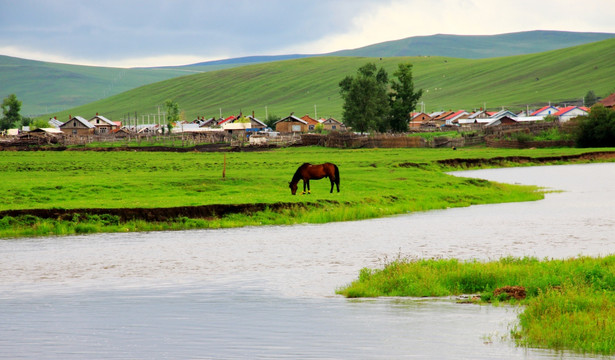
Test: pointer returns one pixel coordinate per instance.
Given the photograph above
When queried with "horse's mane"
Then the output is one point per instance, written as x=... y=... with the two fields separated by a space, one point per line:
x=297 y=175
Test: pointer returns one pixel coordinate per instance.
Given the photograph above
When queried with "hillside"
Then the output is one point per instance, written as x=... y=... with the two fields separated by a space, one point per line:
x=45 y=87
x=48 y=87
x=301 y=84
x=478 y=47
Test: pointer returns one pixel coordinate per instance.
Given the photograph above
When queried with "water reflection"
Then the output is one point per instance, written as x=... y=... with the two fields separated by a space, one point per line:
x=269 y=293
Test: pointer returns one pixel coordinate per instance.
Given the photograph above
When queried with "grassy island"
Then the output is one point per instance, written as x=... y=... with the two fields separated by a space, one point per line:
x=569 y=304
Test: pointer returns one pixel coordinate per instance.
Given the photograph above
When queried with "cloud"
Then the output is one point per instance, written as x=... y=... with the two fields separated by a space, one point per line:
x=400 y=19
x=120 y=32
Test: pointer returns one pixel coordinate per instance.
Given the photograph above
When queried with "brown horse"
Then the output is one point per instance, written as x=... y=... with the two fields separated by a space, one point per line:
x=306 y=172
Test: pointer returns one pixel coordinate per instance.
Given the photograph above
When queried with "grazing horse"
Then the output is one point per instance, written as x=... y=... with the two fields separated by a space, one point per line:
x=307 y=171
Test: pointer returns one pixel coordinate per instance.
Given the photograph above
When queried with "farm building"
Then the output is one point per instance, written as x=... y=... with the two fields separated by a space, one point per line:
x=311 y=122
x=333 y=125
x=569 y=112
x=418 y=119
x=291 y=124
x=76 y=125
x=103 y=125
x=609 y=101
x=544 y=111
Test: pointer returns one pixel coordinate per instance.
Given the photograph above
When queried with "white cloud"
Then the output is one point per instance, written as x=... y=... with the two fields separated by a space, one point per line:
x=405 y=18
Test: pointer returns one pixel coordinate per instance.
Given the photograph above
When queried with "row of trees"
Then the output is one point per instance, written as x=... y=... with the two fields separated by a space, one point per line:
x=373 y=103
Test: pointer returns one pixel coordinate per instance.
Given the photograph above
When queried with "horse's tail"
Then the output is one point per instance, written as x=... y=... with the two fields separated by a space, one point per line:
x=337 y=175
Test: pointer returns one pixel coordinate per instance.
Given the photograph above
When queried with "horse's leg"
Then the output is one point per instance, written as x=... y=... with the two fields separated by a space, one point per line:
x=332 y=181
x=304 y=184
x=308 y=185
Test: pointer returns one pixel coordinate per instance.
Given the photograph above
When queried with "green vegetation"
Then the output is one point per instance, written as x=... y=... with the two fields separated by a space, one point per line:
x=598 y=128
x=50 y=87
x=570 y=304
x=369 y=106
x=477 y=46
x=10 y=112
x=552 y=134
x=374 y=183
x=448 y=83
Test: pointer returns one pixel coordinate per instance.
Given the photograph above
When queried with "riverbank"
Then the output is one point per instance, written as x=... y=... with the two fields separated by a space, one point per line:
x=58 y=193
x=569 y=304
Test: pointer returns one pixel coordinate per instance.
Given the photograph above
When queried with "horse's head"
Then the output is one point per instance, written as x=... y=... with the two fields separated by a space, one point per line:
x=293 y=187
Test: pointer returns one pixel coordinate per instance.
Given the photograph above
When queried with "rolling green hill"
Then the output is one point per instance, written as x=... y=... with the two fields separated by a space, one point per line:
x=45 y=87
x=49 y=87
x=478 y=46
x=298 y=85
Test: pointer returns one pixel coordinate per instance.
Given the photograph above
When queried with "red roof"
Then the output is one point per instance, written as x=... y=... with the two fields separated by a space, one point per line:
x=608 y=101
x=562 y=111
x=309 y=120
x=230 y=118
x=453 y=115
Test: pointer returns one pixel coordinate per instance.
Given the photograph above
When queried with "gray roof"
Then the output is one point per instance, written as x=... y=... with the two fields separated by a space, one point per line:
x=104 y=119
x=82 y=121
x=292 y=118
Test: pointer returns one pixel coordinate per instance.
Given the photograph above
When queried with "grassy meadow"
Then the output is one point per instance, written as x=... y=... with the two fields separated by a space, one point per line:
x=299 y=85
x=569 y=304
x=374 y=183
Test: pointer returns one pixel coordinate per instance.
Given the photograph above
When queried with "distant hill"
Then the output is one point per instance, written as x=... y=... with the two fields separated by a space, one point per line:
x=45 y=87
x=477 y=47
x=311 y=85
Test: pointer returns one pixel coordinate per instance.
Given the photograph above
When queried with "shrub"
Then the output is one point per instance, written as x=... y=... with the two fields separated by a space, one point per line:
x=597 y=129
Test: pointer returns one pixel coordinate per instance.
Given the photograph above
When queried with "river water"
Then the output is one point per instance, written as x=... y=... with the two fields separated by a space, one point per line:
x=269 y=292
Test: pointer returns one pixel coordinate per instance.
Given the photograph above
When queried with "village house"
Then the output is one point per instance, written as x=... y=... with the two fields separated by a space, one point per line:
x=311 y=122
x=55 y=123
x=545 y=110
x=291 y=124
x=102 y=125
x=78 y=126
x=418 y=119
x=333 y=125
x=453 y=118
x=570 y=112
x=609 y=101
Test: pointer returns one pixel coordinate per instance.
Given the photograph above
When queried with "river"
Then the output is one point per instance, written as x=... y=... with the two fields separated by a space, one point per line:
x=269 y=292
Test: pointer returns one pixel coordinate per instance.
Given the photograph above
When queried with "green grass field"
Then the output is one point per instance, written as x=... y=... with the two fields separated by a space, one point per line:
x=299 y=85
x=374 y=183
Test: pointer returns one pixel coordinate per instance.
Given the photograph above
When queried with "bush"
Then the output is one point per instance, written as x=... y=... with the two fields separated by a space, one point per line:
x=597 y=129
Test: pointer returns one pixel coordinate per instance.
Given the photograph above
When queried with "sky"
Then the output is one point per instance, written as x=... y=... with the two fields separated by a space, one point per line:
x=144 y=33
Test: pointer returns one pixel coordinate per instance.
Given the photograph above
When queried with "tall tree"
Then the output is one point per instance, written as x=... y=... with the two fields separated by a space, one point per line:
x=590 y=98
x=172 y=111
x=365 y=98
x=10 y=109
x=403 y=98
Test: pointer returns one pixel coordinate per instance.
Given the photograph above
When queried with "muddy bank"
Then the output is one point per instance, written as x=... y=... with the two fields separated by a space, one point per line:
x=502 y=160
x=161 y=214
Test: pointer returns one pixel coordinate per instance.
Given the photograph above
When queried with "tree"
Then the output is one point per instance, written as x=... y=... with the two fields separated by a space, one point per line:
x=172 y=111
x=365 y=98
x=403 y=98
x=10 y=109
x=590 y=98
x=271 y=120
x=598 y=128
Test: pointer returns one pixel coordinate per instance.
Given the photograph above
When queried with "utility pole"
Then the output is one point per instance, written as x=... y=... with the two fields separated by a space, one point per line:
x=315 y=113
